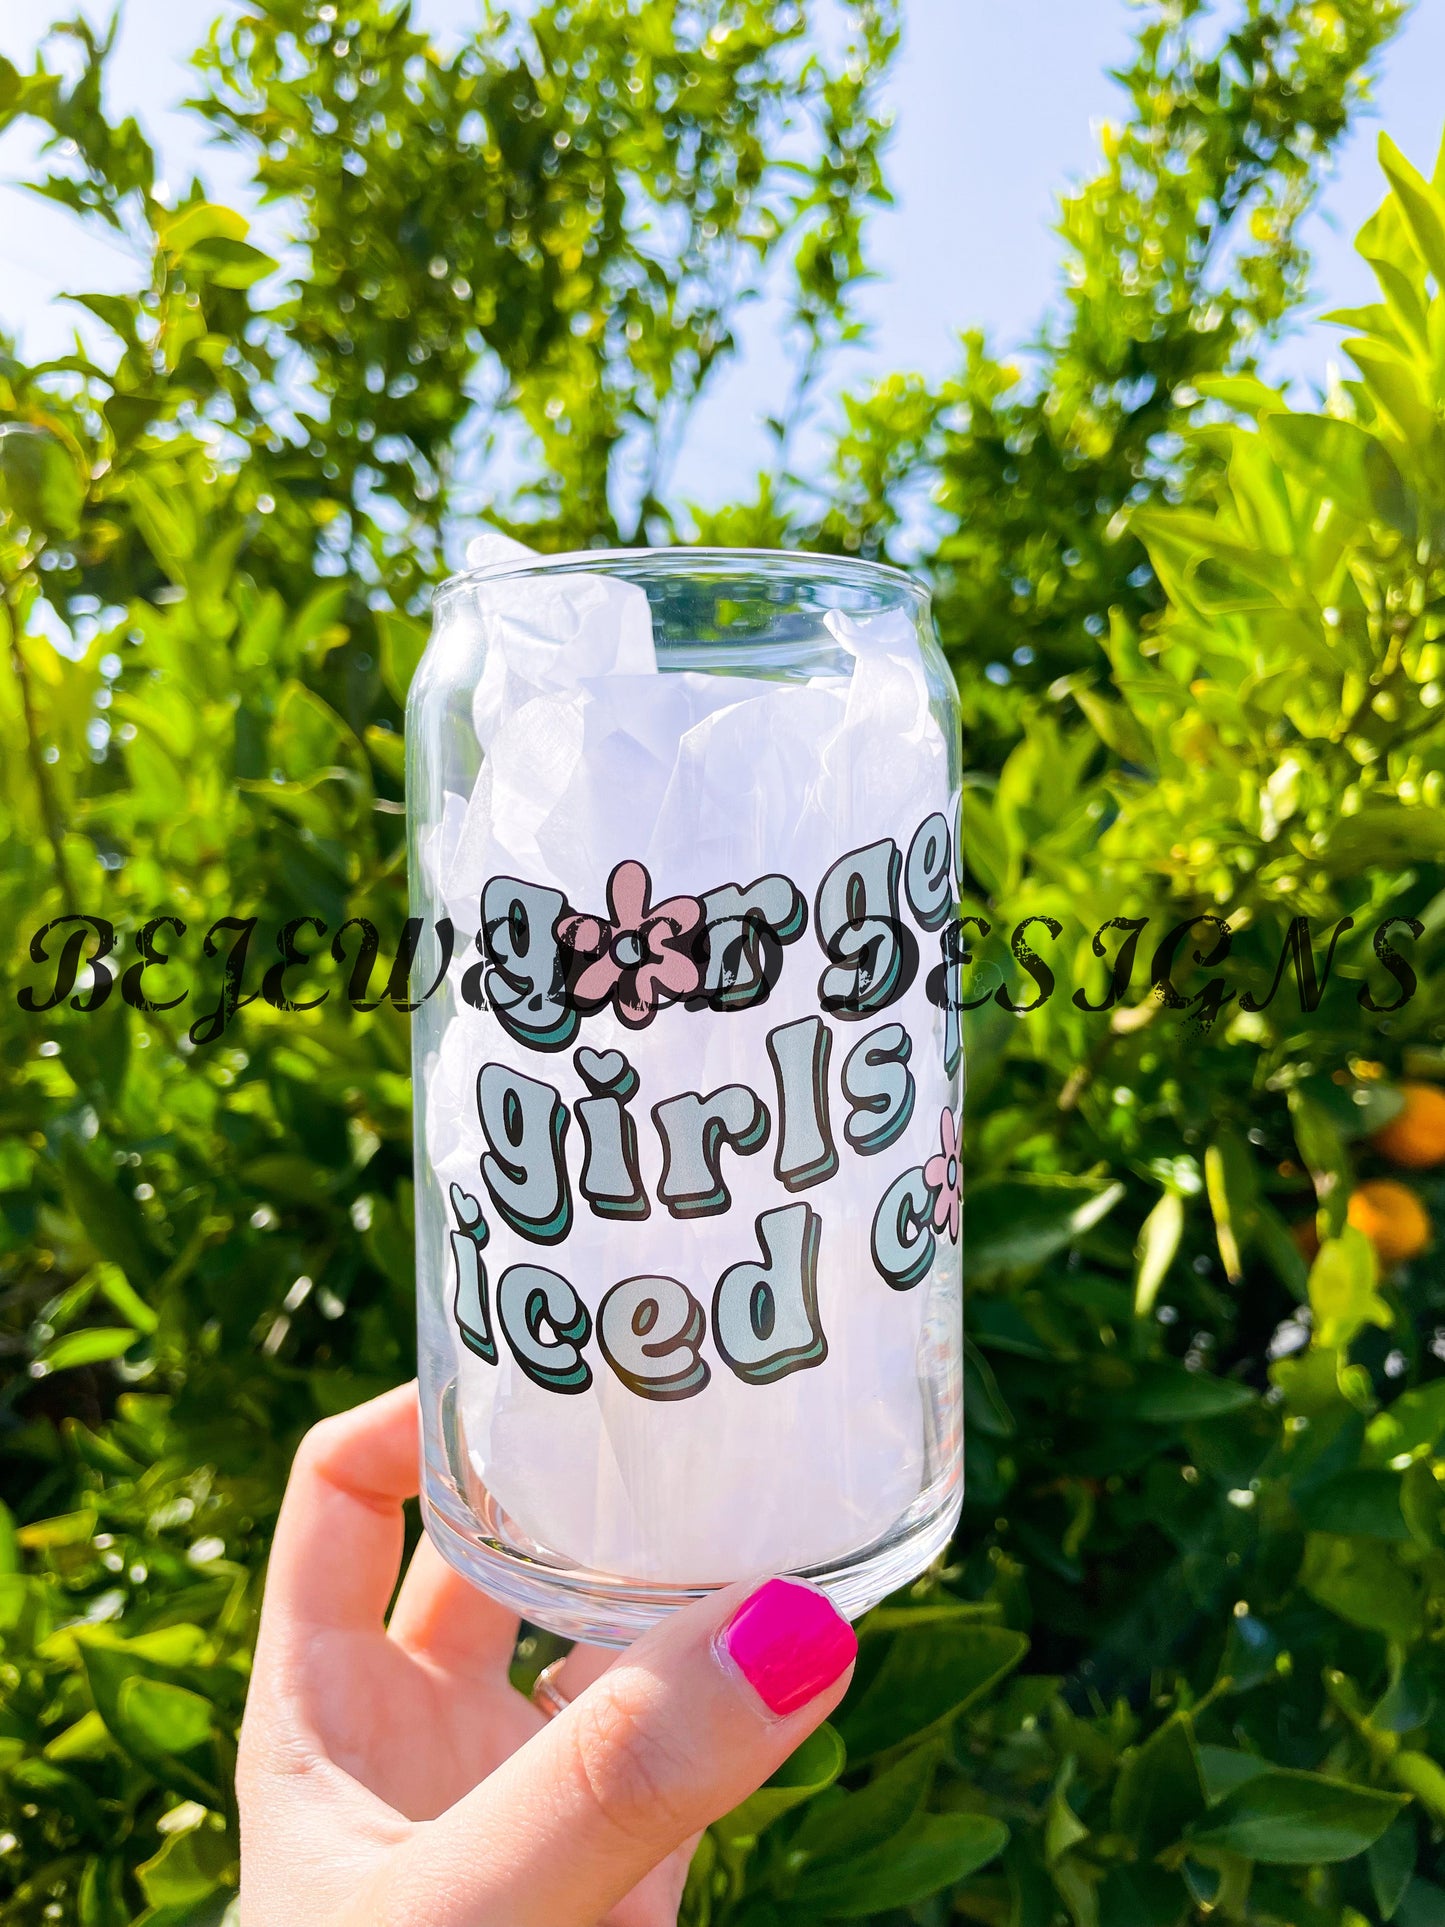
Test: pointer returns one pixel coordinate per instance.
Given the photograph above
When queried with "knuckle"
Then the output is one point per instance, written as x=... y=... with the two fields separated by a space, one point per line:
x=266 y=1754
x=633 y=1769
x=322 y=1446
x=325 y=1456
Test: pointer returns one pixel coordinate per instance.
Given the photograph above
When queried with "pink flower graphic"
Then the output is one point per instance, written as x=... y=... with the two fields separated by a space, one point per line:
x=944 y=1176
x=641 y=958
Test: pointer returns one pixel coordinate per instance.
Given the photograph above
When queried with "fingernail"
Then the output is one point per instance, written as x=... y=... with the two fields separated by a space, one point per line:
x=788 y=1642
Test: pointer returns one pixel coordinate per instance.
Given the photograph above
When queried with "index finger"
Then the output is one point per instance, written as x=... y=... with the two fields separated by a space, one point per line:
x=339 y=1537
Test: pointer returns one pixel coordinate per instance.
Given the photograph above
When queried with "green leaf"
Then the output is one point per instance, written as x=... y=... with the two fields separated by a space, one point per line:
x=101 y=1900
x=852 y=1823
x=1421 y=205
x=1173 y=1395
x=229 y=263
x=1278 y=1248
x=1142 y=1897
x=67 y=1529
x=1296 y=1819
x=1154 y=1253
x=1246 y=393
x=1421 y=1504
x=1421 y=1776
x=1342 y=1290
x=1356 y=1502
x=387 y=750
x=202 y=221
x=113 y=1283
x=17 y=1163
x=985 y=840
x=999 y=1324
x=1423 y=1905
x=401 y=640
x=1341 y=462
x=218 y=1909
x=984 y=1403
x=40 y=483
x=1160 y=1788
x=308 y=736
x=317 y=626
x=118 y=312
x=86 y=1739
x=1233 y=1189
x=1394 y=384
x=88 y=1347
x=190 y=1867
x=169 y=1718
x=1415 y=1421
x=1385 y=242
x=932 y=1852
x=1222 y=1768
x=155 y=1718
x=1013 y=1223
x=110 y=1218
x=1115 y=725
x=1362 y=1582
x=1323 y=1155
x=1391 y=1862
x=805 y=1773
x=43 y=1780
x=927 y=1678
x=166 y=520
x=1063 y=1829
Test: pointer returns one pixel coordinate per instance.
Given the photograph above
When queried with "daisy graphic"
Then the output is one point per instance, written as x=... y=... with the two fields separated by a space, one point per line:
x=640 y=958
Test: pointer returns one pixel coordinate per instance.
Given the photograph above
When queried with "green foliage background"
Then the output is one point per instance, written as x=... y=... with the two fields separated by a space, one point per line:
x=1186 y=1659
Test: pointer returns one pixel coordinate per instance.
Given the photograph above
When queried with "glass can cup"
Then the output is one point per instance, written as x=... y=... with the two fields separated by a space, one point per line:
x=688 y=1089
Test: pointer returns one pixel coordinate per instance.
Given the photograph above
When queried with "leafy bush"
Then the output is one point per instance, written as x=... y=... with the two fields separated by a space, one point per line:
x=1185 y=1658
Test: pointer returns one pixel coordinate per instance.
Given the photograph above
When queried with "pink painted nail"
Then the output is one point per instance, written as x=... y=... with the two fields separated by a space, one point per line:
x=788 y=1642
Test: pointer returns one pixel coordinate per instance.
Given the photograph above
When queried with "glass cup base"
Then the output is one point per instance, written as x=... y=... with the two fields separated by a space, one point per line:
x=602 y=1610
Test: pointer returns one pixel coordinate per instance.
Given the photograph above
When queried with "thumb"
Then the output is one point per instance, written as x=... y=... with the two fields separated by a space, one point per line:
x=683 y=1726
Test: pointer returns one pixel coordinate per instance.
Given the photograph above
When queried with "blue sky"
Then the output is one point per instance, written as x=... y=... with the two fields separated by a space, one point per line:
x=997 y=104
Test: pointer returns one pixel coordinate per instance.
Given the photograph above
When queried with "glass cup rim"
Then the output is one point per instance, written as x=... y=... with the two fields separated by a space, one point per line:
x=681 y=559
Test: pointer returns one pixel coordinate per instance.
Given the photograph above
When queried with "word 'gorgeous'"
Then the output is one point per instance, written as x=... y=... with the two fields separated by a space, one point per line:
x=546 y=967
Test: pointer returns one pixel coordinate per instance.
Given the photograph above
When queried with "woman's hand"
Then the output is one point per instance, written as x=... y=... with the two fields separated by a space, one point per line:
x=389 y=1776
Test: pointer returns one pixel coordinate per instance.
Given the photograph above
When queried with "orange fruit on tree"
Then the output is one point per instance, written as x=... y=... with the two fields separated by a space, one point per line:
x=1391 y=1217
x=1415 y=1135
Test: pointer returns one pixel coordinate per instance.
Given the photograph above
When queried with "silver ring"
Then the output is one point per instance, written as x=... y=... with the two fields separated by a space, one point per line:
x=547 y=1695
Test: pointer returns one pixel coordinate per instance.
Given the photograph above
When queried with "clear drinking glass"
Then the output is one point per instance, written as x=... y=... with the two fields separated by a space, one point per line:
x=688 y=1095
